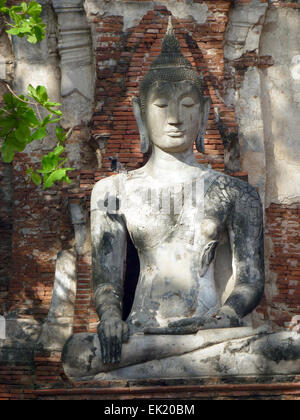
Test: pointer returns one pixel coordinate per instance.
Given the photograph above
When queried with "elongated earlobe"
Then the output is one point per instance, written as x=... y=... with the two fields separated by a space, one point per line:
x=204 y=118
x=144 y=136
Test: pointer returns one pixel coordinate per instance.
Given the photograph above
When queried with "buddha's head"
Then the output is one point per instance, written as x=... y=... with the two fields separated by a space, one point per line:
x=171 y=111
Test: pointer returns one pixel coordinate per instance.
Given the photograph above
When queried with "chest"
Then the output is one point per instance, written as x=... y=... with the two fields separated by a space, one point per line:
x=157 y=216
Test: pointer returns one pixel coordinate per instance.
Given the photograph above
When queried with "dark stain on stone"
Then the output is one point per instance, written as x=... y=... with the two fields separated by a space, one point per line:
x=91 y=358
x=281 y=349
x=89 y=338
x=106 y=243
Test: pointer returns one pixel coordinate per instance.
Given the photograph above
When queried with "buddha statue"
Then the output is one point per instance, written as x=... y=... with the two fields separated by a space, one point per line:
x=176 y=212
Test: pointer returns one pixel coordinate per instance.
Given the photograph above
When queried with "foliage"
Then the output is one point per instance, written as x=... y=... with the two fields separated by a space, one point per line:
x=20 y=118
x=20 y=125
x=25 y=20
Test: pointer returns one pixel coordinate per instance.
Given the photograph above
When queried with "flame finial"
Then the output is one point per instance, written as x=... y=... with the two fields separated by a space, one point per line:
x=171 y=55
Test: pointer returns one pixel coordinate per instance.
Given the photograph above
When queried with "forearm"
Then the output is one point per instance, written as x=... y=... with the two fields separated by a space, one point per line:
x=108 y=301
x=249 y=284
x=244 y=299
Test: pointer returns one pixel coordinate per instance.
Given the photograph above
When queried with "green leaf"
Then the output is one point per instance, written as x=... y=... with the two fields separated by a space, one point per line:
x=34 y=9
x=23 y=134
x=14 y=31
x=36 y=178
x=12 y=101
x=39 y=134
x=8 y=122
x=56 y=120
x=58 y=113
x=31 y=39
x=7 y=153
x=53 y=104
x=32 y=92
x=17 y=144
x=39 y=33
x=17 y=8
x=58 y=175
x=61 y=136
x=13 y=14
x=59 y=150
x=25 y=29
x=51 y=160
x=49 y=163
x=24 y=6
x=46 y=120
x=42 y=94
x=30 y=115
x=8 y=99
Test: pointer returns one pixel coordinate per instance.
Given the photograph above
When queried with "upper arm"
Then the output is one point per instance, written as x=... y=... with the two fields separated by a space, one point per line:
x=245 y=225
x=108 y=232
x=236 y=205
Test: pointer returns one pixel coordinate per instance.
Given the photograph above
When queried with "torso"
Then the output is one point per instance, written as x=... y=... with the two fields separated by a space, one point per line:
x=170 y=244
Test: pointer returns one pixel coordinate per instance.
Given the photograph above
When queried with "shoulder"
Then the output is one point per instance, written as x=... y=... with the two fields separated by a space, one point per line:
x=113 y=182
x=230 y=187
x=106 y=187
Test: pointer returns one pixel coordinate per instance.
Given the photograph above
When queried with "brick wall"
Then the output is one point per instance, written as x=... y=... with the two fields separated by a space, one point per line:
x=283 y=228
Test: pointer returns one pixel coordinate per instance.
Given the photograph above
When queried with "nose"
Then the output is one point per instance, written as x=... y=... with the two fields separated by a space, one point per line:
x=174 y=117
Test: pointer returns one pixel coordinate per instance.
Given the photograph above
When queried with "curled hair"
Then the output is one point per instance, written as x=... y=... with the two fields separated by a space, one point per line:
x=169 y=66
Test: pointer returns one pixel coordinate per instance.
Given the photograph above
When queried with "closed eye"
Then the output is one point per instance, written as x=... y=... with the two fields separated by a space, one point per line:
x=160 y=105
x=188 y=104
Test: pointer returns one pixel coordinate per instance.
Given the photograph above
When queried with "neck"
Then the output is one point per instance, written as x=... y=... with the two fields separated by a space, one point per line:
x=167 y=162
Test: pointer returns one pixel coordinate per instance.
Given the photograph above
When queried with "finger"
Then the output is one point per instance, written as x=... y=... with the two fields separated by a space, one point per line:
x=113 y=345
x=126 y=333
x=107 y=342
x=118 y=343
x=117 y=355
x=101 y=339
x=184 y=330
x=119 y=351
x=157 y=331
x=182 y=323
x=212 y=324
x=113 y=349
x=115 y=333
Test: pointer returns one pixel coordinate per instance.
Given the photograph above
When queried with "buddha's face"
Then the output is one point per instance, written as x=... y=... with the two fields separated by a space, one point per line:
x=173 y=115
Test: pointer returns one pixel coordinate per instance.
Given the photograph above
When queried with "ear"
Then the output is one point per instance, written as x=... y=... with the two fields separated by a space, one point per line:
x=137 y=110
x=206 y=104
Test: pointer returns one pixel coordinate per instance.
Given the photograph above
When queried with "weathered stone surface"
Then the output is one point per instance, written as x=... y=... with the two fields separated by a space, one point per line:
x=244 y=28
x=267 y=355
x=133 y=11
x=280 y=105
x=39 y=65
x=82 y=354
x=20 y=331
x=77 y=69
x=251 y=130
x=232 y=352
x=59 y=324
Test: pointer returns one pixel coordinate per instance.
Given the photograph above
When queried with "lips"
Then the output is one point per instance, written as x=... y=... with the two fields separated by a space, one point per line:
x=175 y=133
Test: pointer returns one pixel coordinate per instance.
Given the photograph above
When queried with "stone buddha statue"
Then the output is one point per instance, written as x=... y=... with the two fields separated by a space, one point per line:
x=176 y=213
